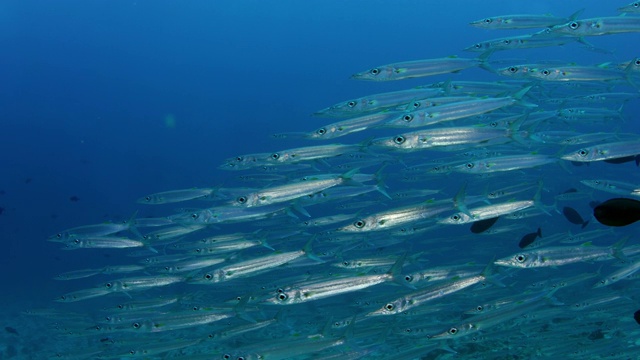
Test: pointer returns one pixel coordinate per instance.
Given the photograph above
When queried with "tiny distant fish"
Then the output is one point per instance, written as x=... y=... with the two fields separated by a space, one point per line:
x=11 y=330
x=529 y=238
x=618 y=212
x=574 y=217
x=483 y=225
x=74 y=198
x=1 y=210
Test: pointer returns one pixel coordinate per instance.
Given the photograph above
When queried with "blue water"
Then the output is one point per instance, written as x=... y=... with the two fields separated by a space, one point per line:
x=107 y=101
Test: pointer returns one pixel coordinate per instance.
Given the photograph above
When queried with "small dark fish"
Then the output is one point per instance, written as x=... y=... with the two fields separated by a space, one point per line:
x=529 y=238
x=2 y=192
x=74 y=198
x=571 y=190
x=618 y=212
x=1 y=210
x=636 y=316
x=28 y=180
x=11 y=330
x=573 y=216
x=483 y=225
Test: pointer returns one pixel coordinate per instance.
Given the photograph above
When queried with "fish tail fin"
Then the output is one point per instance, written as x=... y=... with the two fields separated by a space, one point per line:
x=458 y=200
x=489 y=274
x=308 y=251
x=537 y=198
x=396 y=272
x=519 y=95
x=617 y=250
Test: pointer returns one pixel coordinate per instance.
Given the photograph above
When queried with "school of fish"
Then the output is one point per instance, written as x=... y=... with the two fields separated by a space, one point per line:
x=461 y=227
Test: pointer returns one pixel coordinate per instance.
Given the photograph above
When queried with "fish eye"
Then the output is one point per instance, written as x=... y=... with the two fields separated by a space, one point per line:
x=226 y=356
x=583 y=152
x=488 y=21
x=208 y=276
x=574 y=25
x=416 y=105
x=399 y=139
x=479 y=308
x=453 y=331
x=352 y=103
x=389 y=307
x=455 y=217
x=546 y=72
x=108 y=285
x=359 y=224
x=241 y=199
x=76 y=241
x=469 y=165
x=136 y=325
x=506 y=42
x=120 y=306
x=195 y=216
x=240 y=358
x=321 y=131
x=282 y=296
x=408 y=278
x=147 y=198
x=636 y=4
x=478 y=46
x=513 y=69
x=275 y=156
x=59 y=236
x=345 y=263
x=374 y=71
x=637 y=62
x=407 y=118
x=408 y=330
x=239 y=158
x=521 y=258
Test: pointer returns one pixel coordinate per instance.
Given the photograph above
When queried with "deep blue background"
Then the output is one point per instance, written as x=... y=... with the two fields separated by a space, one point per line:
x=86 y=87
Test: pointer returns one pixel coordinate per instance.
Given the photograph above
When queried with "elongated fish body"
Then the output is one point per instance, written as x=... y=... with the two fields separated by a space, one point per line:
x=598 y=26
x=449 y=112
x=376 y=102
x=504 y=163
x=424 y=295
x=613 y=186
x=320 y=290
x=558 y=256
x=174 y=196
x=346 y=127
x=486 y=212
x=576 y=73
x=417 y=68
x=441 y=137
x=398 y=217
x=246 y=268
x=103 y=242
x=289 y=192
x=521 y=21
x=619 y=275
x=519 y=42
x=604 y=151
x=291 y=156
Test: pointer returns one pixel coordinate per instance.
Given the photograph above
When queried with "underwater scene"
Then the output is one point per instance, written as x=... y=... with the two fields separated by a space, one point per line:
x=247 y=179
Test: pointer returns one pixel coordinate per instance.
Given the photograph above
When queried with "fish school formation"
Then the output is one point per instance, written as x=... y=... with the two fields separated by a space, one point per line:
x=462 y=227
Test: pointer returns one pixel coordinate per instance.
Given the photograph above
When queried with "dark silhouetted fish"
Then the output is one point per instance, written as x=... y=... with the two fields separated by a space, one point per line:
x=636 y=316
x=74 y=198
x=574 y=217
x=483 y=225
x=11 y=330
x=529 y=238
x=1 y=210
x=618 y=212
